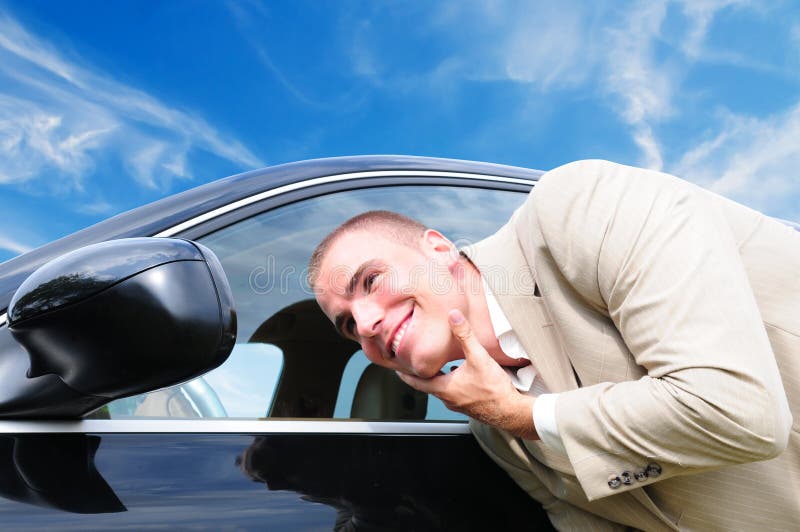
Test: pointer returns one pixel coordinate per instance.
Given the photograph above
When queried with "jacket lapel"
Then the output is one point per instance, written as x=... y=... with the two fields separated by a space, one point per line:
x=500 y=260
x=512 y=280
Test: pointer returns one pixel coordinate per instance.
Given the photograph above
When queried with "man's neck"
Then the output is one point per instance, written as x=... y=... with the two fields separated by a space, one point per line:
x=480 y=319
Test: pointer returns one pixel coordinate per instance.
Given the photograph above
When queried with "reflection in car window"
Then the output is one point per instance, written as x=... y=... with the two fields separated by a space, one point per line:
x=242 y=387
x=246 y=382
x=347 y=389
x=289 y=362
x=353 y=373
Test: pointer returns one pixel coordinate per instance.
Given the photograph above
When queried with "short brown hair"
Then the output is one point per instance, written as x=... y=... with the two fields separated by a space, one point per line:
x=396 y=227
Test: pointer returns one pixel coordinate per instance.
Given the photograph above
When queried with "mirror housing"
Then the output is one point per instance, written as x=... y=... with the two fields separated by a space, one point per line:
x=126 y=316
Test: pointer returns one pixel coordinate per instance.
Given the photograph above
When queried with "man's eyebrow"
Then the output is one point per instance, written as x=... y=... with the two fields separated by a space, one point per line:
x=353 y=282
x=340 y=319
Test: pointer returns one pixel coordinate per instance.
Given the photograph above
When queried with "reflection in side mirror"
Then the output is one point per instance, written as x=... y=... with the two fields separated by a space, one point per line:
x=120 y=318
x=55 y=471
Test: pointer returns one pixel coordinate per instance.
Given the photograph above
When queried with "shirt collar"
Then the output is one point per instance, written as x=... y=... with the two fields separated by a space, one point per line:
x=500 y=323
x=522 y=377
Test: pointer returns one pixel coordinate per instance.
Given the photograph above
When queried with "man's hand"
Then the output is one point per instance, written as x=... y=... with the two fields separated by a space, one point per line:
x=479 y=388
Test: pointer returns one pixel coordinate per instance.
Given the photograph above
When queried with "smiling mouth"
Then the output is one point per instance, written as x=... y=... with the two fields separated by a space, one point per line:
x=398 y=336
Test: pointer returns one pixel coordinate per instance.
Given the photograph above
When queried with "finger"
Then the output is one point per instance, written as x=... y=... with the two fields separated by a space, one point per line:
x=463 y=332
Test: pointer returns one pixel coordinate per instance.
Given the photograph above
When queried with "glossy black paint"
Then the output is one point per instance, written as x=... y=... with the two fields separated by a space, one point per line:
x=84 y=272
x=55 y=471
x=20 y=396
x=117 y=319
x=289 y=482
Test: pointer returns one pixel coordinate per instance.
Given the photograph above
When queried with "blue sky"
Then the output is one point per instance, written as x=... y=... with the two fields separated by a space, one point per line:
x=105 y=106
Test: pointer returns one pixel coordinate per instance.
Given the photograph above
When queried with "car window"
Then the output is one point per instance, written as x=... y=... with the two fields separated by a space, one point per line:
x=353 y=372
x=288 y=361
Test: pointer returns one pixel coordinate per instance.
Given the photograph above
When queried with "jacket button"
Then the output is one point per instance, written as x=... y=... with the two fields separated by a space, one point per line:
x=653 y=470
x=641 y=475
x=614 y=482
x=626 y=478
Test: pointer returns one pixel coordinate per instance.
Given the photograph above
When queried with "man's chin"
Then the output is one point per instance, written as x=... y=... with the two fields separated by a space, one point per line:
x=431 y=369
x=427 y=371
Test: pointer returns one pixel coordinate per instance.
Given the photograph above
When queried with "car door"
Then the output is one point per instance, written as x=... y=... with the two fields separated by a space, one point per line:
x=296 y=430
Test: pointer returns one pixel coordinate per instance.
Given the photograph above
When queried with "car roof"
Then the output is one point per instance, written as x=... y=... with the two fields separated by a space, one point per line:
x=151 y=218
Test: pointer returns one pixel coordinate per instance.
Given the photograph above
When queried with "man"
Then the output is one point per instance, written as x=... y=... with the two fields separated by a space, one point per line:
x=662 y=320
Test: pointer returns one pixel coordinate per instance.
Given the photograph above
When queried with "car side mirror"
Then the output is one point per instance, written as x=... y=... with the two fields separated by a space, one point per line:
x=126 y=316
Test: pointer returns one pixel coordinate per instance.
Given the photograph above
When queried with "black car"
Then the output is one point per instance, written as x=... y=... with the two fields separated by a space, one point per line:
x=109 y=417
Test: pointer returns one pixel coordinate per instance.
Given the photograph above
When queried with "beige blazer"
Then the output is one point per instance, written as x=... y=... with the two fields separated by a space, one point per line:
x=668 y=318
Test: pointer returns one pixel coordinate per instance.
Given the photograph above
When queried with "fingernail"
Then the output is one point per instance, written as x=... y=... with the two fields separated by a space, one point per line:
x=456 y=317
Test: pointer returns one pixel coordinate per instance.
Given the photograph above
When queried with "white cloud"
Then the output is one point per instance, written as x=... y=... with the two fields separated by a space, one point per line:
x=549 y=46
x=547 y=54
x=363 y=58
x=753 y=160
x=251 y=17
x=178 y=165
x=544 y=44
x=645 y=85
x=635 y=54
x=143 y=162
x=700 y=14
x=750 y=159
x=541 y=44
x=642 y=87
x=58 y=114
x=99 y=206
x=35 y=137
x=651 y=151
x=12 y=245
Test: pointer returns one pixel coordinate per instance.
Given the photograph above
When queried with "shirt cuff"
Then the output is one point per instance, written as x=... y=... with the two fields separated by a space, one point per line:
x=544 y=419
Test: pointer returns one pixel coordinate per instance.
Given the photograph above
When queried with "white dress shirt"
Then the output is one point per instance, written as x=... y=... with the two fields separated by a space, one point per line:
x=525 y=378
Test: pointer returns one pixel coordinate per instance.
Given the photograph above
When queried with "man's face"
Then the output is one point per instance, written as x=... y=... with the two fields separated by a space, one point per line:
x=394 y=299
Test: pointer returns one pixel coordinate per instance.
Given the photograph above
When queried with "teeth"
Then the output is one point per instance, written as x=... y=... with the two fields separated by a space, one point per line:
x=398 y=337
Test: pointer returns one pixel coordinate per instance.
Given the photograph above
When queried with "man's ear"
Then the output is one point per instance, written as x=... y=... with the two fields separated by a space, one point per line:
x=440 y=247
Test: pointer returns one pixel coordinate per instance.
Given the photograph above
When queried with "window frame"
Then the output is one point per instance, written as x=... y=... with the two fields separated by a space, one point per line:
x=236 y=211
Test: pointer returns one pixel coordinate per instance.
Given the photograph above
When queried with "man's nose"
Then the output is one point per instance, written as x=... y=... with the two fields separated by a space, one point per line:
x=368 y=317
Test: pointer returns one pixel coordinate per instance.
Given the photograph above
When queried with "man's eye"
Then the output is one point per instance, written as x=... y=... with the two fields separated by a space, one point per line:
x=350 y=326
x=369 y=280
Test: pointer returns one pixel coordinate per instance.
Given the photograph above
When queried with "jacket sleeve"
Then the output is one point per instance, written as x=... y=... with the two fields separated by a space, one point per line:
x=507 y=452
x=656 y=255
